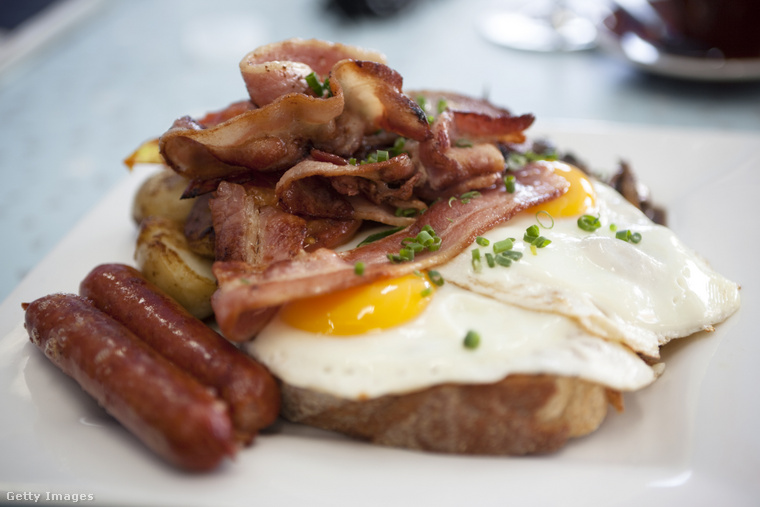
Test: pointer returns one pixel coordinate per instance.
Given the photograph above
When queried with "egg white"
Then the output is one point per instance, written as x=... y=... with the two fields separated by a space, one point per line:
x=429 y=350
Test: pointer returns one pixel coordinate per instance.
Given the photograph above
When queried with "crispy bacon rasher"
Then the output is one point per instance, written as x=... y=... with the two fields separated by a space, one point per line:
x=329 y=139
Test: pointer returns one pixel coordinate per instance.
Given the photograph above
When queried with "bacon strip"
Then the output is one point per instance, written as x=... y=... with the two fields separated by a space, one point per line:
x=251 y=232
x=366 y=97
x=479 y=161
x=280 y=68
x=265 y=139
x=380 y=182
x=249 y=227
x=246 y=291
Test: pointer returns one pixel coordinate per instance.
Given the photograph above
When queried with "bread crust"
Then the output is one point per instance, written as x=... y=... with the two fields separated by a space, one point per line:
x=521 y=414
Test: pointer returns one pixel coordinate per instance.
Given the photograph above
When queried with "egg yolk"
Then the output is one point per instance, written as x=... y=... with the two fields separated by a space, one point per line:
x=381 y=304
x=578 y=199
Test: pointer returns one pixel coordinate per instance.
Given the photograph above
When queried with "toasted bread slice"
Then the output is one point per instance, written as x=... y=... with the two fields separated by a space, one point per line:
x=521 y=414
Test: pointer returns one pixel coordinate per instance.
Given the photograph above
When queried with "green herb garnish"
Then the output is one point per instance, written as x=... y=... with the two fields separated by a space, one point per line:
x=426 y=239
x=406 y=212
x=627 y=235
x=471 y=340
x=435 y=277
x=468 y=196
x=589 y=223
x=538 y=219
x=380 y=235
x=509 y=182
x=477 y=265
x=532 y=236
x=503 y=245
x=318 y=88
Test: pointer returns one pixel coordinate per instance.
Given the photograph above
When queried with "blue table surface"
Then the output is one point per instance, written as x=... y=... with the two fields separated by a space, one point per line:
x=75 y=106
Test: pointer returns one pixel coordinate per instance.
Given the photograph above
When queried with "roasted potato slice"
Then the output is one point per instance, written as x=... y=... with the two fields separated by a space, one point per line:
x=147 y=153
x=163 y=256
x=159 y=195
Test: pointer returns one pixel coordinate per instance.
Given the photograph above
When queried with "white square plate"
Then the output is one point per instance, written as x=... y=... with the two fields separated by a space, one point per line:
x=689 y=439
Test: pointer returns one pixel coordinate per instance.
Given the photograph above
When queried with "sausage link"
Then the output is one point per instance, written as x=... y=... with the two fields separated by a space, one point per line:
x=169 y=411
x=250 y=390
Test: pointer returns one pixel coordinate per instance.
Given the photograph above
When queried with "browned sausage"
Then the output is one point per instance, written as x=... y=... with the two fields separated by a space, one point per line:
x=169 y=411
x=252 y=393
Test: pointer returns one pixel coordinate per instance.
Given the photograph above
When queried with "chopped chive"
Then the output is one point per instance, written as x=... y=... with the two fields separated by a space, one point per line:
x=451 y=199
x=613 y=227
x=382 y=155
x=477 y=265
x=468 y=196
x=435 y=277
x=503 y=245
x=426 y=291
x=442 y=105
x=398 y=146
x=535 y=240
x=471 y=340
x=512 y=254
x=406 y=254
x=463 y=143
x=509 y=182
x=589 y=223
x=414 y=246
x=531 y=233
x=490 y=260
x=425 y=239
x=517 y=160
x=627 y=235
x=406 y=212
x=480 y=240
x=503 y=260
x=538 y=218
x=359 y=268
x=380 y=235
x=313 y=81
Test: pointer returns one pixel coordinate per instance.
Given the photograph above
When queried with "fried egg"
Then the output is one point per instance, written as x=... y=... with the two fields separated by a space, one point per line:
x=584 y=305
x=643 y=290
x=335 y=356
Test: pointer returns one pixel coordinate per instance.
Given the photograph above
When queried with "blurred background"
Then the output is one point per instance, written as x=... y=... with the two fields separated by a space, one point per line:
x=84 y=82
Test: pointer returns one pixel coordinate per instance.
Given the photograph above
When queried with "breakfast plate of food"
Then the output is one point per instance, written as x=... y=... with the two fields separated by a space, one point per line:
x=367 y=285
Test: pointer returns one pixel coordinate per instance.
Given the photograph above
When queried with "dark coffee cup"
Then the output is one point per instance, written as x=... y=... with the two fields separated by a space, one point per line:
x=731 y=27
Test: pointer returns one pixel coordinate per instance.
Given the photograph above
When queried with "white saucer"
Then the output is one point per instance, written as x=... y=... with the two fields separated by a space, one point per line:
x=647 y=57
